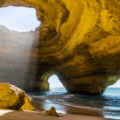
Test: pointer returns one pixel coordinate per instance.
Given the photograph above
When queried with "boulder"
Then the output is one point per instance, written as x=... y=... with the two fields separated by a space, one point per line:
x=28 y=106
x=51 y=112
x=14 y=98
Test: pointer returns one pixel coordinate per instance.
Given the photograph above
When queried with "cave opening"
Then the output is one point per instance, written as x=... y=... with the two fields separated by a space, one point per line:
x=55 y=85
x=113 y=89
x=20 y=19
x=116 y=85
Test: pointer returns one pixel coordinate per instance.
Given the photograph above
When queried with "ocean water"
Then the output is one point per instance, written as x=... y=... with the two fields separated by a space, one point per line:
x=108 y=103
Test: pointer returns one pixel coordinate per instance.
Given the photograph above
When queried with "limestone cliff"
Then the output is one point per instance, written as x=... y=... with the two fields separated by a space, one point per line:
x=78 y=40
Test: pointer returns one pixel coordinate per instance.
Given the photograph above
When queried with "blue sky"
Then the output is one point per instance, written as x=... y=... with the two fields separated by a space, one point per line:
x=19 y=18
x=54 y=82
x=117 y=84
x=24 y=19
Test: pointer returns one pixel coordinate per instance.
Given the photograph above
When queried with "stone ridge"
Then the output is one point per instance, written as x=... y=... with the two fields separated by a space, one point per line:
x=77 y=40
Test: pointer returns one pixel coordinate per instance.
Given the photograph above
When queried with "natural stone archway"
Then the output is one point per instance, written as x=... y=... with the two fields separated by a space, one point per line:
x=78 y=40
x=42 y=84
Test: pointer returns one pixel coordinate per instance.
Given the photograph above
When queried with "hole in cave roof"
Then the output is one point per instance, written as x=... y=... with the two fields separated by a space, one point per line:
x=20 y=19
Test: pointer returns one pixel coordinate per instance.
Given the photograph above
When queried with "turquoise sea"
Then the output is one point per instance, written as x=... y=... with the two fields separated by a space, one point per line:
x=108 y=103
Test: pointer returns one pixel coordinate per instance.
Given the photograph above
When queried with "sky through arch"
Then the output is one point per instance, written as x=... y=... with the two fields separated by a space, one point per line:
x=54 y=82
x=117 y=84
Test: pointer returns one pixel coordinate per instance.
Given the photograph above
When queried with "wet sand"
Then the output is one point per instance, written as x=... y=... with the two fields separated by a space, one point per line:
x=44 y=104
x=65 y=112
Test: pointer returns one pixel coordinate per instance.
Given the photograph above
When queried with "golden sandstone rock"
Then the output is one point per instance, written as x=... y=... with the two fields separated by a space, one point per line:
x=51 y=112
x=15 y=98
x=27 y=106
x=78 y=40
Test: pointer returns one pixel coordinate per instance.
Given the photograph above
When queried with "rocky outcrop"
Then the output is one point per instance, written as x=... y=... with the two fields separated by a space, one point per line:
x=78 y=40
x=15 y=50
x=15 y=98
x=28 y=104
x=18 y=63
x=51 y=112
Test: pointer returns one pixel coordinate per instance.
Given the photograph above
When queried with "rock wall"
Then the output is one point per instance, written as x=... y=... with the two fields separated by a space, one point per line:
x=78 y=40
x=15 y=50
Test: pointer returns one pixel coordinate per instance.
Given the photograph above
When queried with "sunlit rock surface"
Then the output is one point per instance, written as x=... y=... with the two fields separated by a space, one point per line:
x=28 y=104
x=51 y=112
x=14 y=98
x=79 y=40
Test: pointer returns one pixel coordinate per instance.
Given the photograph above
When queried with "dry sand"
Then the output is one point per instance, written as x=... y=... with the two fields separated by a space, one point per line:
x=6 y=114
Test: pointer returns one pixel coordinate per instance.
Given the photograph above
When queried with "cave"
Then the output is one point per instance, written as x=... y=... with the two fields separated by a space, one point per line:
x=83 y=51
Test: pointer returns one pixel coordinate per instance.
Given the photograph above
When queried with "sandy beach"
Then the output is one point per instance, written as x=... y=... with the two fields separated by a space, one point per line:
x=65 y=113
x=26 y=115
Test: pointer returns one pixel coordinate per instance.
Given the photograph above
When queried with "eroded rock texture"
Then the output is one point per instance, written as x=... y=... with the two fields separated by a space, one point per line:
x=79 y=40
x=51 y=112
x=15 y=98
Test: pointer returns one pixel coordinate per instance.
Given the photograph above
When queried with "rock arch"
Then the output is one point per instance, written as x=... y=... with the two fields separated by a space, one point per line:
x=78 y=40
